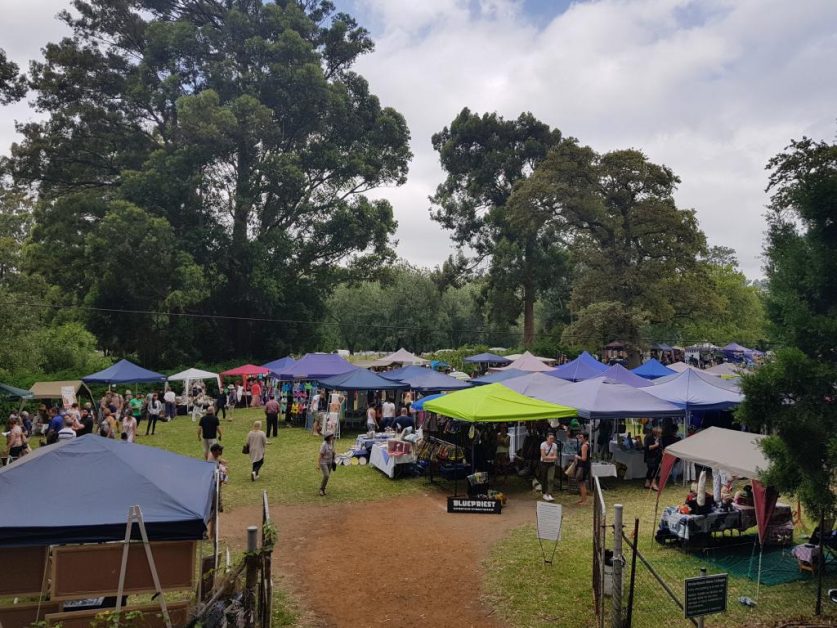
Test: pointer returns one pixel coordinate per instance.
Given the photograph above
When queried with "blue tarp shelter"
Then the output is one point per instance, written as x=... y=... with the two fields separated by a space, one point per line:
x=360 y=379
x=124 y=372
x=583 y=367
x=692 y=391
x=653 y=369
x=735 y=352
x=620 y=375
x=104 y=478
x=315 y=366
x=487 y=358
x=598 y=399
x=277 y=366
x=497 y=377
x=536 y=385
x=432 y=381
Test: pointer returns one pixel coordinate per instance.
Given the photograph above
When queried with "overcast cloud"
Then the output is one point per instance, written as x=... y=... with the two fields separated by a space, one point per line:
x=712 y=88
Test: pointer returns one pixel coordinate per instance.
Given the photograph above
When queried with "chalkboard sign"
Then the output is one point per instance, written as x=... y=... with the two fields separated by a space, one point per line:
x=705 y=595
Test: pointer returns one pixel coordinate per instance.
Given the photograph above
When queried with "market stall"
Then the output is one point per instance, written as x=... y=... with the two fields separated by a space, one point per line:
x=63 y=389
x=653 y=369
x=583 y=367
x=528 y=363
x=353 y=383
x=402 y=357
x=124 y=372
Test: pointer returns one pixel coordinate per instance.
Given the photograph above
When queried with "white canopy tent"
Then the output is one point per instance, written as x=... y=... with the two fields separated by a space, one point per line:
x=739 y=453
x=187 y=377
x=526 y=362
x=402 y=357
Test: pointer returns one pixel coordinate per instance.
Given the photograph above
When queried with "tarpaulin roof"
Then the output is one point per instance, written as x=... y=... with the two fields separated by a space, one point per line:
x=495 y=403
x=360 y=379
x=528 y=362
x=433 y=381
x=246 y=370
x=490 y=358
x=123 y=372
x=316 y=366
x=497 y=376
x=537 y=385
x=11 y=392
x=583 y=367
x=52 y=390
x=105 y=478
x=737 y=452
x=598 y=399
x=277 y=365
x=619 y=374
x=402 y=356
x=404 y=371
x=727 y=384
x=692 y=391
x=653 y=369
x=192 y=374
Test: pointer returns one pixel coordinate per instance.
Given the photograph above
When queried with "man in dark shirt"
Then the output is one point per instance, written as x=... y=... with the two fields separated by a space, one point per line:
x=209 y=430
x=86 y=423
x=404 y=420
x=271 y=411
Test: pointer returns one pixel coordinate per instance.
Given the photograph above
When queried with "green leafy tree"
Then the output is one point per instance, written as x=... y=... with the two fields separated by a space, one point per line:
x=238 y=122
x=12 y=84
x=484 y=157
x=793 y=396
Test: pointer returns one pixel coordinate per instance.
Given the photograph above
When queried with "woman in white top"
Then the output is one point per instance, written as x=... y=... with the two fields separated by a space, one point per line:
x=371 y=419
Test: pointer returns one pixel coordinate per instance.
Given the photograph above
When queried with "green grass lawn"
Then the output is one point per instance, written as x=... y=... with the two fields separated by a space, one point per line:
x=290 y=473
x=528 y=593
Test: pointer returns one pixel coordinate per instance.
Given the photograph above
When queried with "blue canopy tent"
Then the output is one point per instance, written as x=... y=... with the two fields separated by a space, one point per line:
x=175 y=493
x=497 y=377
x=488 y=358
x=419 y=405
x=692 y=391
x=315 y=366
x=732 y=385
x=653 y=369
x=404 y=371
x=620 y=375
x=734 y=352
x=583 y=367
x=360 y=379
x=124 y=372
x=432 y=381
x=277 y=366
x=598 y=399
x=535 y=385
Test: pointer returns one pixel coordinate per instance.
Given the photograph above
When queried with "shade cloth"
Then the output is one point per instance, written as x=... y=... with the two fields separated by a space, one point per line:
x=536 y=385
x=245 y=370
x=653 y=369
x=175 y=493
x=192 y=374
x=495 y=403
x=52 y=390
x=497 y=376
x=583 y=367
x=402 y=356
x=123 y=372
x=691 y=390
x=315 y=366
x=489 y=358
x=620 y=375
x=278 y=365
x=359 y=379
x=528 y=362
x=11 y=392
x=599 y=399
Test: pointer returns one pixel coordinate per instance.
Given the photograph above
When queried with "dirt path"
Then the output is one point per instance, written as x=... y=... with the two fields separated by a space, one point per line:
x=400 y=562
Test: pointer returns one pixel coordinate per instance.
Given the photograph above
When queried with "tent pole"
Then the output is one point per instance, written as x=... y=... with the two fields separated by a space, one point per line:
x=758 y=577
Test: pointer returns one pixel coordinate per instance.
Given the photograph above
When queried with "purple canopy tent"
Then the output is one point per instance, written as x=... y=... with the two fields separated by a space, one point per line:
x=583 y=367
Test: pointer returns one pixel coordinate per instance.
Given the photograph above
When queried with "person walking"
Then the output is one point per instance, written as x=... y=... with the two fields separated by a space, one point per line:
x=652 y=448
x=256 y=394
x=170 y=399
x=256 y=441
x=371 y=420
x=135 y=405
x=549 y=458
x=582 y=467
x=221 y=404
x=325 y=460
x=155 y=409
x=209 y=430
x=15 y=440
x=271 y=412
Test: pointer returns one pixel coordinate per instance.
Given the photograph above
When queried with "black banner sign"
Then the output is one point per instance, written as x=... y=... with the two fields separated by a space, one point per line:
x=474 y=505
x=705 y=595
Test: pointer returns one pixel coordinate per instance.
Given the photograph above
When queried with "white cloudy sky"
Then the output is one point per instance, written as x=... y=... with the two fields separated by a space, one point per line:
x=712 y=88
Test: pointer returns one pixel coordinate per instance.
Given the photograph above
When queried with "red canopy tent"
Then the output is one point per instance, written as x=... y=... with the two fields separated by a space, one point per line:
x=246 y=370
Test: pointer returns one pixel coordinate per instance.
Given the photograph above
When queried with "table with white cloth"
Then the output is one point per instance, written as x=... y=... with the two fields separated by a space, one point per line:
x=602 y=470
x=389 y=464
x=633 y=459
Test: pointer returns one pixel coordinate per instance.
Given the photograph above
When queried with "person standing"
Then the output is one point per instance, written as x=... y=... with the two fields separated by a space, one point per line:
x=86 y=423
x=135 y=406
x=170 y=399
x=256 y=394
x=67 y=432
x=221 y=403
x=653 y=449
x=371 y=419
x=582 y=467
x=15 y=439
x=549 y=458
x=256 y=441
x=325 y=460
x=209 y=430
x=155 y=409
x=388 y=414
x=271 y=412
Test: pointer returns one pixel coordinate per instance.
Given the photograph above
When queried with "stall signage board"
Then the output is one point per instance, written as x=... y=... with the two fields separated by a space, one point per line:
x=705 y=595
x=474 y=505
x=549 y=521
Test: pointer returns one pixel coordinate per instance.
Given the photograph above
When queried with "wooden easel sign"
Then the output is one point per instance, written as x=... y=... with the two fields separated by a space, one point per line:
x=549 y=518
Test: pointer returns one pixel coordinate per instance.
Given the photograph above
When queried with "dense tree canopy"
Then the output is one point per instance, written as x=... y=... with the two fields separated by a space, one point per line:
x=239 y=128
x=12 y=84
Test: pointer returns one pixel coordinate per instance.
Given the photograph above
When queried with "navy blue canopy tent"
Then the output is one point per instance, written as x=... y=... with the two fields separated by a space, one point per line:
x=315 y=366
x=360 y=379
x=431 y=381
x=487 y=358
x=583 y=367
x=653 y=369
x=123 y=372
x=499 y=376
x=404 y=372
x=86 y=486
x=277 y=366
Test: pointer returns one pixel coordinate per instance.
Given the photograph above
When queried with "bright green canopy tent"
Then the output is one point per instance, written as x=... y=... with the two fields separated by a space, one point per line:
x=495 y=403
